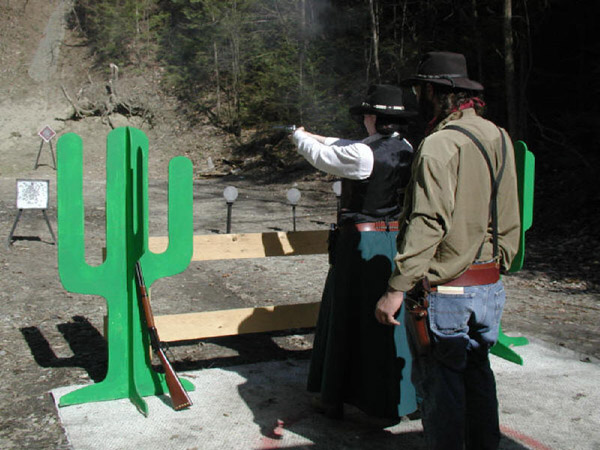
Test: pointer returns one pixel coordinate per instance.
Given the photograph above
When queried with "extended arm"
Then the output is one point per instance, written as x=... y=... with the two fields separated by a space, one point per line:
x=342 y=158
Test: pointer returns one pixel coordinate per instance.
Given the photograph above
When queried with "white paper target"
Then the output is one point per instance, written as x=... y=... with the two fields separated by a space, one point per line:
x=32 y=194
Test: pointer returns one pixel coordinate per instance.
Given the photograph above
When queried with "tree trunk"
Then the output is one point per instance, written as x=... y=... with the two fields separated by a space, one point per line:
x=375 y=38
x=217 y=80
x=235 y=86
x=478 y=41
x=509 y=69
x=524 y=73
x=217 y=71
x=402 y=31
x=234 y=41
x=304 y=45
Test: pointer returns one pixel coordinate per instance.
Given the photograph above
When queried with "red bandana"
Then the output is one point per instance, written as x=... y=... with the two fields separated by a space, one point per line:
x=470 y=104
x=466 y=105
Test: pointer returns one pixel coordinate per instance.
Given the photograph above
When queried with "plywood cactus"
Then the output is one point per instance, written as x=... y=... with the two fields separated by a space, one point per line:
x=525 y=165
x=129 y=374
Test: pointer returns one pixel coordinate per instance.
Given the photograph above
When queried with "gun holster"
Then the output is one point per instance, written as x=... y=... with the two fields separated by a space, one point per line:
x=334 y=231
x=416 y=303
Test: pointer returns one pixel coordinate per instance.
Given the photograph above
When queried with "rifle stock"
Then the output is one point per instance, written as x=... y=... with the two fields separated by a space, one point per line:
x=179 y=396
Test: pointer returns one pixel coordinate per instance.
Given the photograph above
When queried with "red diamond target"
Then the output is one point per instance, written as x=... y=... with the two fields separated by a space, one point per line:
x=47 y=133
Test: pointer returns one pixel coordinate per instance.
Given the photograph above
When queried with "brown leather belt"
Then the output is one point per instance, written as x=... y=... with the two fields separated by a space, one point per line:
x=374 y=226
x=476 y=275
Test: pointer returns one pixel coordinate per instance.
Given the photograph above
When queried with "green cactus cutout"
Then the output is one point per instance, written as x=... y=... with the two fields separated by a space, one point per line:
x=130 y=374
x=525 y=164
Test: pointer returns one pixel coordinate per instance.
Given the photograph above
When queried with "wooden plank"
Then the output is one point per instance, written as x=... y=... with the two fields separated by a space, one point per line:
x=193 y=326
x=251 y=245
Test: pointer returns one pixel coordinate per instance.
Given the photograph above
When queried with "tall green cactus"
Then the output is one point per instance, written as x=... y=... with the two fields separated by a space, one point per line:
x=525 y=165
x=130 y=374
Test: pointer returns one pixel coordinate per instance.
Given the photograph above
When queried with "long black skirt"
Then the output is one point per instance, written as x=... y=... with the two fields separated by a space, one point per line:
x=356 y=359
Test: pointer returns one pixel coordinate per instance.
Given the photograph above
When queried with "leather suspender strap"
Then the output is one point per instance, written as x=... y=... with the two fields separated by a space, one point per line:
x=495 y=180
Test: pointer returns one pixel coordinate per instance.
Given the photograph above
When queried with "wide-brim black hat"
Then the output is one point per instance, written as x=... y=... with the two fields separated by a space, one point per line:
x=383 y=100
x=444 y=68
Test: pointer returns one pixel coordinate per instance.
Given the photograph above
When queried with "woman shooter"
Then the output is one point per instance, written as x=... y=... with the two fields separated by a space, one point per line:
x=355 y=359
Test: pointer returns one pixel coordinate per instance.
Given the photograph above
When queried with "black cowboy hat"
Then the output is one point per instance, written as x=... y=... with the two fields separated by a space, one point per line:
x=383 y=100
x=444 y=68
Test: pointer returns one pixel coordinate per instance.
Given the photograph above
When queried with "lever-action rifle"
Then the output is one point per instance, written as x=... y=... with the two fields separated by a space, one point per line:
x=179 y=396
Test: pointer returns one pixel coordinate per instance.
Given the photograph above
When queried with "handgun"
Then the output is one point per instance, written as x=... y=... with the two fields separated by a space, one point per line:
x=286 y=128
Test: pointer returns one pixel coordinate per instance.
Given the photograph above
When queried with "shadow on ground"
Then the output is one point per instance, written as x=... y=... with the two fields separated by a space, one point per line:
x=271 y=414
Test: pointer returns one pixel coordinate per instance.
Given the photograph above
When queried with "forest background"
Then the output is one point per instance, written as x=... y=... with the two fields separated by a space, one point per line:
x=245 y=65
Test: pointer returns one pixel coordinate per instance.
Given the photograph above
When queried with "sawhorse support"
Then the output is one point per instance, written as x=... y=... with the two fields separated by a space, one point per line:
x=201 y=325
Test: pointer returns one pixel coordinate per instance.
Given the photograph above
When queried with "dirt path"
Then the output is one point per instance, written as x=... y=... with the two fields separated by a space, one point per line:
x=45 y=61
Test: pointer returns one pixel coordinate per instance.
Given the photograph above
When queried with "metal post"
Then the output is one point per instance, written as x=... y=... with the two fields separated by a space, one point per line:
x=230 y=193
x=229 y=207
x=293 y=196
x=294 y=215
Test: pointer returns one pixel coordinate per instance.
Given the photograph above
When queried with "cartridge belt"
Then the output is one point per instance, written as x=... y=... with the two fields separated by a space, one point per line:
x=374 y=226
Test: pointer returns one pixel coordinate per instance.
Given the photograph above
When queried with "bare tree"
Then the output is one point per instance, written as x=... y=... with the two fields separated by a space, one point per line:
x=509 y=69
x=375 y=37
x=217 y=78
x=525 y=60
x=304 y=45
x=478 y=42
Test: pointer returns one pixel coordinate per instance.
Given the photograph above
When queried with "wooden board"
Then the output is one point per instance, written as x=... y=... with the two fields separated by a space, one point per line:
x=193 y=326
x=251 y=245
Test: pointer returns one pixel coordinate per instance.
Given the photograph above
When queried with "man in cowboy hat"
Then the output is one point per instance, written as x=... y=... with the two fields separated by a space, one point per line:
x=460 y=230
x=355 y=359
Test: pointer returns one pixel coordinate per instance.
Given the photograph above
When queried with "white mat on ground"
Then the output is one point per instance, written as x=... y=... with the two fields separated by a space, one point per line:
x=234 y=408
x=550 y=402
x=553 y=399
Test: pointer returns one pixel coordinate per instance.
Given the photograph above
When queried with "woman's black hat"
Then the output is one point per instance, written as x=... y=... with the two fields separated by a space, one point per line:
x=444 y=68
x=383 y=100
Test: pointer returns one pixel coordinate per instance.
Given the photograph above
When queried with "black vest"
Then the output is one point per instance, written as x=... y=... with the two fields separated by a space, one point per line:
x=380 y=196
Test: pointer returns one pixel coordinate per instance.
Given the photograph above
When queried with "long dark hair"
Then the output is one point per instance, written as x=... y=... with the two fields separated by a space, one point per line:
x=456 y=100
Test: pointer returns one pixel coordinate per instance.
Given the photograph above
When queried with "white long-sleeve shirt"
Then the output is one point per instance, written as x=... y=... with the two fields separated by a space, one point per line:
x=343 y=158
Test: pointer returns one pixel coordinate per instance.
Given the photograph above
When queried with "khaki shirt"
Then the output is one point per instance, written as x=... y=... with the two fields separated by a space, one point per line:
x=446 y=215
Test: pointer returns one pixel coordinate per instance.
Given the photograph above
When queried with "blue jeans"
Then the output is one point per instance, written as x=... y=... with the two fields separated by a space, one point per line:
x=455 y=382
